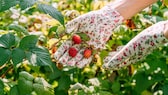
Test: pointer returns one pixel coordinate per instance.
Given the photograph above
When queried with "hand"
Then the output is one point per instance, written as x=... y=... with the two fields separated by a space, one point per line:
x=139 y=47
x=97 y=25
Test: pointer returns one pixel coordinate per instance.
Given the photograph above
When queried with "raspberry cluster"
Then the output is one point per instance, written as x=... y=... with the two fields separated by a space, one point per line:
x=73 y=51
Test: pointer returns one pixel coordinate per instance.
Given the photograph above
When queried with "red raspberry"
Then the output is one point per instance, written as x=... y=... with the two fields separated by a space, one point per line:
x=87 y=53
x=72 y=51
x=76 y=39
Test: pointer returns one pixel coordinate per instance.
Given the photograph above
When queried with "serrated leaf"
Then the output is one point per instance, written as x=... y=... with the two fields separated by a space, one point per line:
x=6 y=4
x=39 y=56
x=17 y=56
x=28 y=42
x=4 y=55
x=26 y=3
x=14 y=90
x=52 y=12
x=18 y=28
x=7 y=40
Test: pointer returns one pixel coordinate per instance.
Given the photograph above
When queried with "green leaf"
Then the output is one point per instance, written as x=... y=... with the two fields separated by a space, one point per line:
x=141 y=78
x=1 y=87
x=103 y=54
x=52 y=12
x=31 y=10
x=40 y=90
x=4 y=55
x=42 y=87
x=64 y=83
x=26 y=75
x=25 y=86
x=17 y=56
x=80 y=92
x=165 y=88
x=39 y=56
x=14 y=90
x=28 y=42
x=27 y=3
x=142 y=81
x=104 y=93
x=18 y=28
x=153 y=18
x=25 y=83
x=116 y=87
x=104 y=84
x=84 y=36
x=6 y=4
x=7 y=40
x=52 y=29
x=55 y=73
x=154 y=65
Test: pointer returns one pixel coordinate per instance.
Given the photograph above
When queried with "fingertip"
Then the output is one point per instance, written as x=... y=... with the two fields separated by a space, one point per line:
x=105 y=66
x=62 y=49
x=57 y=55
x=84 y=62
x=63 y=60
x=76 y=59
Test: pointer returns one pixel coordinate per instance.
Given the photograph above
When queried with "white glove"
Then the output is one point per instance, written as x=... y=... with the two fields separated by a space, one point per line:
x=139 y=47
x=98 y=25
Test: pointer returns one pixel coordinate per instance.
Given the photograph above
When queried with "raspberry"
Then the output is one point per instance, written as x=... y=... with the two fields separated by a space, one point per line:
x=76 y=39
x=87 y=53
x=72 y=52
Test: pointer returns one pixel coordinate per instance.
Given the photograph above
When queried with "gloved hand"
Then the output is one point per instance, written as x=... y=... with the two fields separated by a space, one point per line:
x=97 y=25
x=139 y=47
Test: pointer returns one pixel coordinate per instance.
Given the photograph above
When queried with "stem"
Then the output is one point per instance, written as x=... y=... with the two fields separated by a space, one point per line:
x=3 y=75
x=1 y=67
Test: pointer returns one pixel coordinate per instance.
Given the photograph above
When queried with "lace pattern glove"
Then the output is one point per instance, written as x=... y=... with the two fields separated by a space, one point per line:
x=98 y=25
x=139 y=47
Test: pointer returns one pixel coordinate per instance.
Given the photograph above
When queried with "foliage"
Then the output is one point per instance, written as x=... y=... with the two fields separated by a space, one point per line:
x=29 y=38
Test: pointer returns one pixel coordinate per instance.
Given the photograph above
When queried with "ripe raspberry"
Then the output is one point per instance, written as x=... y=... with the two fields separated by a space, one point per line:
x=54 y=49
x=76 y=39
x=72 y=52
x=87 y=53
